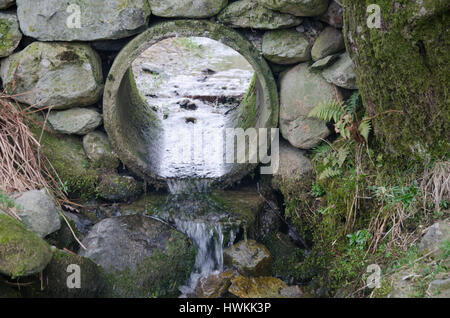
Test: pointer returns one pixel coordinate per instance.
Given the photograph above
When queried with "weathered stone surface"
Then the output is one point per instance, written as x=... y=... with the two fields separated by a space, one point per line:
x=53 y=20
x=250 y=14
x=330 y=41
x=286 y=46
x=187 y=8
x=214 y=286
x=10 y=34
x=144 y=257
x=61 y=75
x=75 y=121
x=57 y=272
x=439 y=288
x=249 y=258
x=333 y=15
x=292 y=292
x=22 y=252
x=294 y=165
x=303 y=8
x=6 y=3
x=435 y=236
x=38 y=212
x=300 y=91
x=98 y=149
x=326 y=61
x=256 y=287
x=114 y=187
x=341 y=73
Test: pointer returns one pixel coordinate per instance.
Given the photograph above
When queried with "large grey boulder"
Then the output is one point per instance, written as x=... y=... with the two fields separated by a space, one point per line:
x=38 y=212
x=303 y=8
x=6 y=3
x=341 y=73
x=250 y=14
x=249 y=258
x=143 y=256
x=75 y=121
x=10 y=34
x=187 y=8
x=22 y=252
x=437 y=234
x=98 y=149
x=61 y=75
x=330 y=41
x=52 y=20
x=286 y=47
x=300 y=91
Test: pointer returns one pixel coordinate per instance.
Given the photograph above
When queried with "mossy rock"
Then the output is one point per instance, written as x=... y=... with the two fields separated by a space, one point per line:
x=22 y=252
x=58 y=272
x=256 y=287
x=114 y=187
x=67 y=157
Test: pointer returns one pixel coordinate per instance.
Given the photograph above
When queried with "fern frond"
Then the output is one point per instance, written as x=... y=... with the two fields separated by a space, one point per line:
x=329 y=173
x=351 y=106
x=365 y=127
x=328 y=110
x=342 y=155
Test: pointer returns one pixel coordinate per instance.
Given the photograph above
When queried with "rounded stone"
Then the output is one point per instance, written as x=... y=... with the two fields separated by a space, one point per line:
x=75 y=121
x=98 y=149
x=249 y=258
x=55 y=20
x=330 y=41
x=22 y=252
x=300 y=91
x=286 y=47
x=114 y=187
x=10 y=34
x=341 y=73
x=132 y=127
x=303 y=8
x=187 y=8
x=60 y=75
x=250 y=14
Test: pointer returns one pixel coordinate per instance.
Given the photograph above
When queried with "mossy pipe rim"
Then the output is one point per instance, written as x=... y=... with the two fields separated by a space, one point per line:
x=125 y=136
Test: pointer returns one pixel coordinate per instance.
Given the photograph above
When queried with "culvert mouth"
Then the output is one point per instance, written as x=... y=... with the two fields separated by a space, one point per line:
x=136 y=130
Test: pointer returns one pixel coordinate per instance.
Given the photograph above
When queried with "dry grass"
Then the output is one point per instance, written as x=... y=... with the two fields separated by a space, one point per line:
x=436 y=183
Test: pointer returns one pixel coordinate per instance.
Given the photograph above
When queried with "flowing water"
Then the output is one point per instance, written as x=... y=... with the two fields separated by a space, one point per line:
x=194 y=84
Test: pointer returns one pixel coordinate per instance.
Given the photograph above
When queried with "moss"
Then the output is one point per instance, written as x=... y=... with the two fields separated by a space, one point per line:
x=158 y=275
x=410 y=54
x=248 y=114
x=22 y=252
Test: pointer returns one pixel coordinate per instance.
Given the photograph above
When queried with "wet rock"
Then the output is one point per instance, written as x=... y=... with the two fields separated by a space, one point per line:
x=187 y=8
x=437 y=234
x=115 y=187
x=187 y=104
x=75 y=121
x=58 y=271
x=6 y=3
x=143 y=257
x=82 y=223
x=269 y=221
x=250 y=14
x=286 y=46
x=61 y=75
x=47 y=20
x=22 y=252
x=325 y=62
x=38 y=212
x=10 y=34
x=300 y=91
x=214 y=286
x=333 y=16
x=303 y=8
x=330 y=41
x=98 y=149
x=249 y=258
x=256 y=287
x=341 y=73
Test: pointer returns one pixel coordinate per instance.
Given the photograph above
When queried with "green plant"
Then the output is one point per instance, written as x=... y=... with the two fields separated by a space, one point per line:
x=330 y=160
x=64 y=187
x=345 y=117
x=317 y=190
x=359 y=239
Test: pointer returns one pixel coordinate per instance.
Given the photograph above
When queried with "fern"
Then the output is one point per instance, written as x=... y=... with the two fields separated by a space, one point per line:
x=329 y=172
x=365 y=127
x=352 y=104
x=328 y=110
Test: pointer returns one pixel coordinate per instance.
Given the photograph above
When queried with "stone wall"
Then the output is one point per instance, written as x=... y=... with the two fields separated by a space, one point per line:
x=58 y=63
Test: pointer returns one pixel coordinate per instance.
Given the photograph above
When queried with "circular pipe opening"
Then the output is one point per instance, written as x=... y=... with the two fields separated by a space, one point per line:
x=133 y=127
